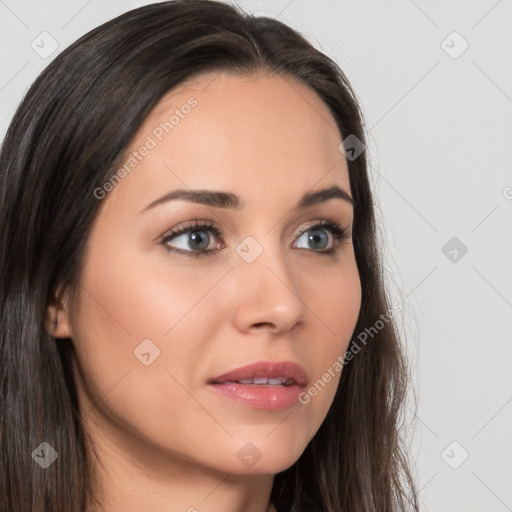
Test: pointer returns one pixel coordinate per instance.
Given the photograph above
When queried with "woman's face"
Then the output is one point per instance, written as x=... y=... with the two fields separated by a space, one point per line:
x=160 y=316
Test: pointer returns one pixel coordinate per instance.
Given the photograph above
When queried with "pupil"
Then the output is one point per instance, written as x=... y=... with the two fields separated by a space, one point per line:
x=196 y=238
x=317 y=238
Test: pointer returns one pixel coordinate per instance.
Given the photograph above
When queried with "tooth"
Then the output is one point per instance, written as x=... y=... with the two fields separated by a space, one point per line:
x=276 y=380
x=260 y=380
x=245 y=381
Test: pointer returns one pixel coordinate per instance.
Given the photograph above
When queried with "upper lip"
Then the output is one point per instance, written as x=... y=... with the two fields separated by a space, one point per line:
x=268 y=369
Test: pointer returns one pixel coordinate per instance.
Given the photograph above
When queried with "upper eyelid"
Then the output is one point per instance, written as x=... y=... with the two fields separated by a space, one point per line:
x=196 y=224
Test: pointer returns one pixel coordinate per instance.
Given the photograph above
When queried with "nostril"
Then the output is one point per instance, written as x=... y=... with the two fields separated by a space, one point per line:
x=265 y=324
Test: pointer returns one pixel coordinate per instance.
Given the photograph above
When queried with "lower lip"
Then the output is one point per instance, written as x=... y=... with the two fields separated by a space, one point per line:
x=271 y=398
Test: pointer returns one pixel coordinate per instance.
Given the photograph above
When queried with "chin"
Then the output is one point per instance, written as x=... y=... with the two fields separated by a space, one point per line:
x=269 y=452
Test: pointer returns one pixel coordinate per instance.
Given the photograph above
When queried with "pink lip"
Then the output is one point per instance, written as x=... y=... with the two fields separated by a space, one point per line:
x=261 y=396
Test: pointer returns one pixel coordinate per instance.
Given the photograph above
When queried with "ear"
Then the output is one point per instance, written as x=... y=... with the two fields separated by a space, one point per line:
x=58 y=321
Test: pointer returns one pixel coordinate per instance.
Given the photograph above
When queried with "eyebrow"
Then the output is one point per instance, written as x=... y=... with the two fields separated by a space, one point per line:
x=217 y=199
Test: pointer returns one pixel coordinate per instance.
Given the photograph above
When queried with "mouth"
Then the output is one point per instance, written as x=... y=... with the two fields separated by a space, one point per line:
x=261 y=381
x=263 y=385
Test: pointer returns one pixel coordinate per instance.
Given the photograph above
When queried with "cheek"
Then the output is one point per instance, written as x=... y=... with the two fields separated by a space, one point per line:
x=339 y=297
x=146 y=297
x=135 y=311
x=333 y=297
x=124 y=316
x=335 y=302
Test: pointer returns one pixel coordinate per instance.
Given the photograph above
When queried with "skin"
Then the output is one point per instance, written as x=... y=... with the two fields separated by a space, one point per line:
x=163 y=440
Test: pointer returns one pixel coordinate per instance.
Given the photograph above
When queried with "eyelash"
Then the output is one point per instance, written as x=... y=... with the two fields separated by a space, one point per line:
x=339 y=235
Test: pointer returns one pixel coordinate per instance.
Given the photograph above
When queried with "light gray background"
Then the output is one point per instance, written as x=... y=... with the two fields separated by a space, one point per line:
x=441 y=147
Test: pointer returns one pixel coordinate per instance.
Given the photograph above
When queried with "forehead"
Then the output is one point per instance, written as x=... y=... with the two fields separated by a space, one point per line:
x=247 y=133
x=271 y=104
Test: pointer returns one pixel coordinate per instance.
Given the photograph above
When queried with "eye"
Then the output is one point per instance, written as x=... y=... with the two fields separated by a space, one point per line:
x=324 y=234
x=193 y=239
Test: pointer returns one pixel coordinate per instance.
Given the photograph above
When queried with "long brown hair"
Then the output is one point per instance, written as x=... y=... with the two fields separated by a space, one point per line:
x=66 y=136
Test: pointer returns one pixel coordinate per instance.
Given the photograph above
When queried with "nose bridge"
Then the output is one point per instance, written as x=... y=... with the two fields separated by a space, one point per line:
x=267 y=292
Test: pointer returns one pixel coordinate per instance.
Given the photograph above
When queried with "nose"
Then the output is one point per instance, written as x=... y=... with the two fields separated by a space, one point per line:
x=268 y=295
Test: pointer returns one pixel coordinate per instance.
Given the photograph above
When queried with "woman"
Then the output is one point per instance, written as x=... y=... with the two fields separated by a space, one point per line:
x=193 y=311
